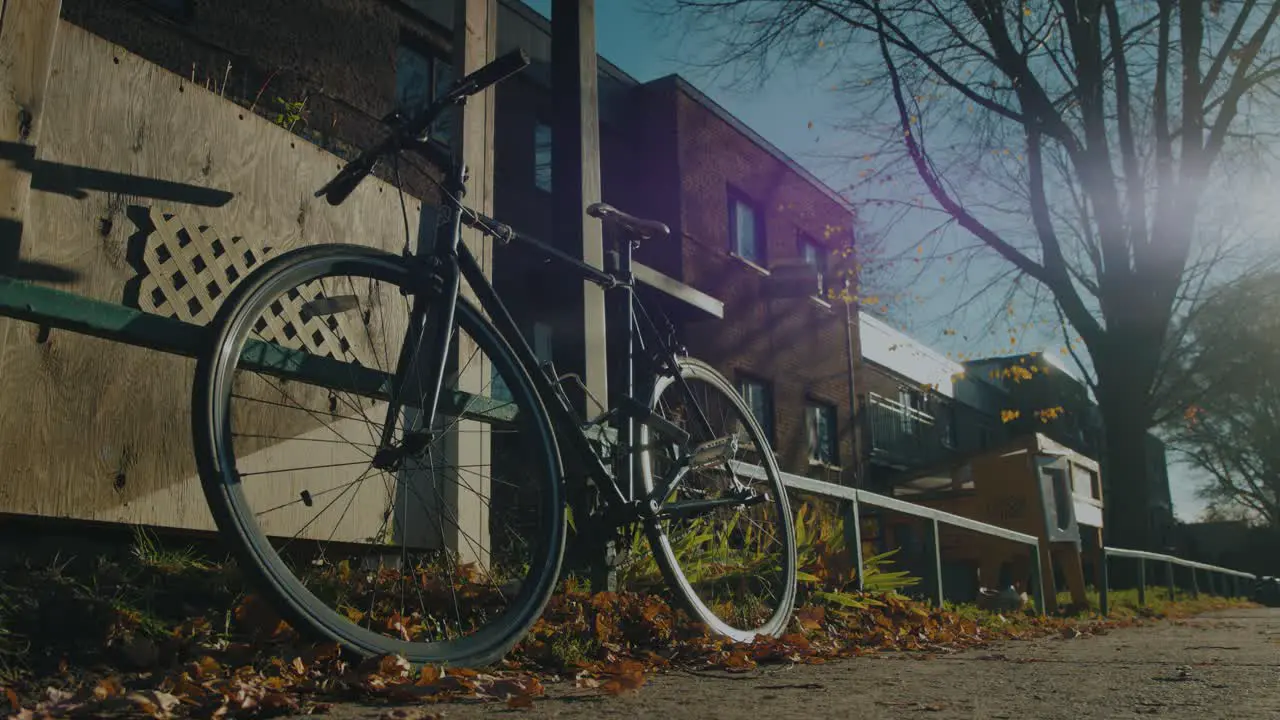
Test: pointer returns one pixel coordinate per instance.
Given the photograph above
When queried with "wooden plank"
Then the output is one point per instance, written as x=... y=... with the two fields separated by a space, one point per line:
x=98 y=430
x=27 y=32
x=28 y=29
x=575 y=170
x=646 y=275
x=467 y=500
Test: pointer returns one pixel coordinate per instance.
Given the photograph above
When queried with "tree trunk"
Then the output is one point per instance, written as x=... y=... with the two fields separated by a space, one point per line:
x=1123 y=401
x=1125 y=477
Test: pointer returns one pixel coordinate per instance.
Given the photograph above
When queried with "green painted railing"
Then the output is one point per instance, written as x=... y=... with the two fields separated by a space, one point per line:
x=65 y=311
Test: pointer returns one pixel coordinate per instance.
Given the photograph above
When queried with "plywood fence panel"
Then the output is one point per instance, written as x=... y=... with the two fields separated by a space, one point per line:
x=97 y=430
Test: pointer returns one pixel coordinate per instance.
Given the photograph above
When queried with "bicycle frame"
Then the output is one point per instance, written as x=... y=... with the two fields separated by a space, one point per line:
x=450 y=261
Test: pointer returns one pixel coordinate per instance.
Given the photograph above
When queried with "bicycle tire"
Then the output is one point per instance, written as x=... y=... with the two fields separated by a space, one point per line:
x=676 y=578
x=215 y=367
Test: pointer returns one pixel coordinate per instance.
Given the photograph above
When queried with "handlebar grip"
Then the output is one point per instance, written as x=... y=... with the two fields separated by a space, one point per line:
x=496 y=71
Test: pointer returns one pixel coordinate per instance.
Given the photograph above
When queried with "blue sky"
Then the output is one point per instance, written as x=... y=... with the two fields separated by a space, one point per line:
x=782 y=111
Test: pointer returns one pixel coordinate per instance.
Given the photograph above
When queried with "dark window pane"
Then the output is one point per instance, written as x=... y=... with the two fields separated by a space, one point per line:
x=421 y=78
x=542 y=156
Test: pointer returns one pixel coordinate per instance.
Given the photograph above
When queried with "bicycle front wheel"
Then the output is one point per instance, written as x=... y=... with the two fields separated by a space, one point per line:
x=444 y=544
x=725 y=540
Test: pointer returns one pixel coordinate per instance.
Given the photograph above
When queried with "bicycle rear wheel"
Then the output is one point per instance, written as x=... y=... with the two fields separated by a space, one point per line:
x=734 y=564
x=414 y=554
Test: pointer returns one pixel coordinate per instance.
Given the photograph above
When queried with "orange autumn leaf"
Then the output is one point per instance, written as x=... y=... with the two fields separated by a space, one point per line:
x=394 y=666
x=520 y=702
x=429 y=674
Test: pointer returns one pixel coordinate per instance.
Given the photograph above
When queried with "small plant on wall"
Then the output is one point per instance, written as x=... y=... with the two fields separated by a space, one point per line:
x=290 y=113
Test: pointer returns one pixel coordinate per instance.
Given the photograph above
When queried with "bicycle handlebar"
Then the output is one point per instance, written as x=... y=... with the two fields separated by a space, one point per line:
x=349 y=177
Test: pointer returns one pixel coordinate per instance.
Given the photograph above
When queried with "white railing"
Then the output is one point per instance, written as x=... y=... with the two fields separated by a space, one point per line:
x=1220 y=581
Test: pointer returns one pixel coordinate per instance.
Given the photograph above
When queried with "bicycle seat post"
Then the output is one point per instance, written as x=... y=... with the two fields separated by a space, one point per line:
x=622 y=313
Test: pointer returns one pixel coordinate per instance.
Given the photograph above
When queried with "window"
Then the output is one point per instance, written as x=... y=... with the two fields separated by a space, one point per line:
x=759 y=398
x=812 y=252
x=1061 y=496
x=912 y=406
x=910 y=398
x=542 y=156
x=746 y=234
x=420 y=78
x=824 y=442
x=949 y=434
x=1085 y=482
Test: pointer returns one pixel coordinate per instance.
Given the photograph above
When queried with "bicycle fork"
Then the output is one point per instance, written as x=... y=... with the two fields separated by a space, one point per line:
x=430 y=328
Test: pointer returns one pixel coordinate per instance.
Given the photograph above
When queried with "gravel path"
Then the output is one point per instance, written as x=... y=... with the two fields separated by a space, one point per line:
x=1221 y=665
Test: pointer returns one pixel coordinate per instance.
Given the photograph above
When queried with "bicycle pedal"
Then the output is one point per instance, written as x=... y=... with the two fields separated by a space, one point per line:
x=713 y=452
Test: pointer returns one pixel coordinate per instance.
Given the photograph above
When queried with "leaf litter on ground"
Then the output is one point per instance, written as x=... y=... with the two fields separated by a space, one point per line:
x=235 y=658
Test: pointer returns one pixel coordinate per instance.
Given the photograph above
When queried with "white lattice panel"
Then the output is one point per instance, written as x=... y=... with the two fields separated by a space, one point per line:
x=190 y=270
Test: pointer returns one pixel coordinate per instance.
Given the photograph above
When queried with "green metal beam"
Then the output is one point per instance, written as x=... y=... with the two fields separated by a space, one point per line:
x=66 y=311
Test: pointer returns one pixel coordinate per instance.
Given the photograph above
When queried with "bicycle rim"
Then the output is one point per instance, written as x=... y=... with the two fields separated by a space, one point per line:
x=450 y=556
x=734 y=568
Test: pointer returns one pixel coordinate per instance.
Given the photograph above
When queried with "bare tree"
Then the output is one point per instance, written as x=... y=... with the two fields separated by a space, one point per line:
x=1079 y=140
x=1230 y=391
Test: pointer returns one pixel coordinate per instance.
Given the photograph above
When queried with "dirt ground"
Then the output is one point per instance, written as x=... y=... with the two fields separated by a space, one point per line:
x=1221 y=665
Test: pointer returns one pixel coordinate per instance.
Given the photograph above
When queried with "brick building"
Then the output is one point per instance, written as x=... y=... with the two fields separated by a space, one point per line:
x=735 y=203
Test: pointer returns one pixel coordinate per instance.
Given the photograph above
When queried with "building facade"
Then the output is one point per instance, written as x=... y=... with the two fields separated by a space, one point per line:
x=919 y=409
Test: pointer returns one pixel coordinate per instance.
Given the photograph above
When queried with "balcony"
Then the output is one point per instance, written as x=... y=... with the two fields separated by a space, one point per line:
x=904 y=437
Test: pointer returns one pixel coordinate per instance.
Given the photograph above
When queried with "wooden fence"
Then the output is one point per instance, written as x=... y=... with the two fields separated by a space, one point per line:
x=153 y=193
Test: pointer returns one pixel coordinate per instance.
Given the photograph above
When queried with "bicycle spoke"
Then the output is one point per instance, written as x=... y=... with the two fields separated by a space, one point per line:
x=427 y=552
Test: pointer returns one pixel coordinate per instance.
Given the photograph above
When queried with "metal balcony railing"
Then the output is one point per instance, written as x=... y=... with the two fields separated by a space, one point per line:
x=904 y=436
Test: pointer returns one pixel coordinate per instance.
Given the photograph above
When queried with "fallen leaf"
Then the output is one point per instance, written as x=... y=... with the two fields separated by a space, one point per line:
x=520 y=702
x=410 y=714
x=107 y=688
x=394 y=666
x=619 y=684
x=429 y=674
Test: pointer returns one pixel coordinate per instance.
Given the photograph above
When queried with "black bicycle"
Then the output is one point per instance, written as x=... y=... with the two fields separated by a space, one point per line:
x=398 y=472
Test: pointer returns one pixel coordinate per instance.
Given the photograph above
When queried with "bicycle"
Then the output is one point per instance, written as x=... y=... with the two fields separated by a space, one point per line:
x=500 y=414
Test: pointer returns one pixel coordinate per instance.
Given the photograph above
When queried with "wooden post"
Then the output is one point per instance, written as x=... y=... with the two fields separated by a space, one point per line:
x=1037 y=577
x=28 y=29
x=1173 y=588
x=457 y=493
x=575 y=173
x=468 y=446
x=1142 y=582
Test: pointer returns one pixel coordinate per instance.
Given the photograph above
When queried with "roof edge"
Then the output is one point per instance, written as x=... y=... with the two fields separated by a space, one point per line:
x=719 y=111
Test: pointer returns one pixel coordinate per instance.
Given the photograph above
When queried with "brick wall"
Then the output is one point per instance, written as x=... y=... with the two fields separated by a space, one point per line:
x=796 y=345
x=340 y=55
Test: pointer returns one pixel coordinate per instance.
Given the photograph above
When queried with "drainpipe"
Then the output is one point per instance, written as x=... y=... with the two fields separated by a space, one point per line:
x=853 y=393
